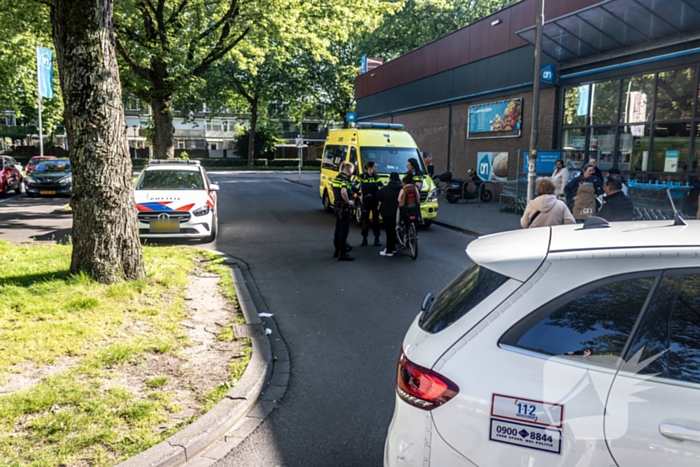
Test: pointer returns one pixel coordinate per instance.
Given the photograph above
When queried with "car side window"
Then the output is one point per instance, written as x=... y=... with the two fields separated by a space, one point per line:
x=668 y=341
x=595 y=320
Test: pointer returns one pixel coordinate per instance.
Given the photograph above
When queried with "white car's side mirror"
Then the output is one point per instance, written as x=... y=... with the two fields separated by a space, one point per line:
x=214 y=187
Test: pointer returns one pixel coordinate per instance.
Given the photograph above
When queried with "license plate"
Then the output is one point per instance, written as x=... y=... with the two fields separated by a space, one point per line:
x=48 y=192
x=165 y=226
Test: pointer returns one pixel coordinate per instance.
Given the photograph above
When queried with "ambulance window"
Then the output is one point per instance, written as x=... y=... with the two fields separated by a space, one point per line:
x=595 y=320
x=333 y=156
x=353 y=159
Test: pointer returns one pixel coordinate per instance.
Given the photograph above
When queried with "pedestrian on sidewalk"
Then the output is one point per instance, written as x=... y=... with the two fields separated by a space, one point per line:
x=616 y=171
x=596 y=171
x=369 y=187
x=560 y=177
x=617 y=207
x=582 y=191
x=546 y=209
x=389 y=204
x=342 y=194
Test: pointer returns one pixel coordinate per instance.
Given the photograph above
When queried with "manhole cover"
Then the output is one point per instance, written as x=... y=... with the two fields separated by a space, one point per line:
x=248 y=330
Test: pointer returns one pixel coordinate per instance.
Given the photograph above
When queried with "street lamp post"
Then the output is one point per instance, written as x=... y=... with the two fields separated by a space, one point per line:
x=534 y=131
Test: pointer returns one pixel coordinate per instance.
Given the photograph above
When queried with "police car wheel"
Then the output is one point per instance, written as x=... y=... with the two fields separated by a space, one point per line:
x=214 y=229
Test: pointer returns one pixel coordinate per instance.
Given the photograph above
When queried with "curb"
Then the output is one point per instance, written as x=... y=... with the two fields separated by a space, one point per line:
x=447 y=225
x=298 y=182
x=211 y=427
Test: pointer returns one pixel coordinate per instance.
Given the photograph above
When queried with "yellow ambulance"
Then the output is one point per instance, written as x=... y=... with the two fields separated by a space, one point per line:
x=388 y=146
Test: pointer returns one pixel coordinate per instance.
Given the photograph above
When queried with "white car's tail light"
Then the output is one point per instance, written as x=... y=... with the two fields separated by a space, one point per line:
x=422 y=387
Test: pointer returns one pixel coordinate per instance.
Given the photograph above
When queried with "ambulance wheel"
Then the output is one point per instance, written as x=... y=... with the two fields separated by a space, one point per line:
x=327 y=202
x=427 y=224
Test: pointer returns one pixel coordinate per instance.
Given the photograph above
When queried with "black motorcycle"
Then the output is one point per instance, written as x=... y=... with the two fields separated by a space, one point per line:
x=459 y=189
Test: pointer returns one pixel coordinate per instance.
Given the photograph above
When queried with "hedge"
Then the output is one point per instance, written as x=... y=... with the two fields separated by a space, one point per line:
x=292 y=163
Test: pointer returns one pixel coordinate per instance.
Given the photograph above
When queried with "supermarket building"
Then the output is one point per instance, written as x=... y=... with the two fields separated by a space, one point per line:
x=624 y=89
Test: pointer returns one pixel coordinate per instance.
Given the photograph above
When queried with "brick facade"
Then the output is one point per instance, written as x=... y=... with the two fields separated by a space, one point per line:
x=430 y=127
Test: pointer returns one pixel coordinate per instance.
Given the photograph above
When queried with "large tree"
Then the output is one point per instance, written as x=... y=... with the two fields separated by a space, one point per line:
x=105 y=231
x=168 y=45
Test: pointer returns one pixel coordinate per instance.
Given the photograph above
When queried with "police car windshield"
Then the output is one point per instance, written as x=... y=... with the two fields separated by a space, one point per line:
x=391 y=159
x=171 y=180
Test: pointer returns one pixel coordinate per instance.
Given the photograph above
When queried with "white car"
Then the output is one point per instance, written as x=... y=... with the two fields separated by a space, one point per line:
x=563 y=346
x=176 y=199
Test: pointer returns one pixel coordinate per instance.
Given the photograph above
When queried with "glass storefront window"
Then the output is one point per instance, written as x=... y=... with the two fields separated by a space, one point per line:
x=633 y=147
x=602 y=147
x=674 y=94
x=637 y=95
x=574 y=147
x=671 y=147
x=695 y=161
x=604 y=100
x=576 y=105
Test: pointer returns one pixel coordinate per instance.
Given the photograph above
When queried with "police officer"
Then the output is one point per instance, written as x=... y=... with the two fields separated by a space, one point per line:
x=369 y=186
x=342 y=193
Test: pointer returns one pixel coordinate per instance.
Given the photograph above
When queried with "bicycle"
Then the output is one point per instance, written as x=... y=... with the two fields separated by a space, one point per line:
x=407 y=233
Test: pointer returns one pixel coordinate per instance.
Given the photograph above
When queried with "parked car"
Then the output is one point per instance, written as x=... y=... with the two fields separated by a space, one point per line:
x=10 y=176
x=176 y=199
x=34 y=161
x=51 y=177
x=564 y=345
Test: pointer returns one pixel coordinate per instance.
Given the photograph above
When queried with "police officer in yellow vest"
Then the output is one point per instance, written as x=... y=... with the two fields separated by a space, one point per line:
x=369 y=186
x=342 y=194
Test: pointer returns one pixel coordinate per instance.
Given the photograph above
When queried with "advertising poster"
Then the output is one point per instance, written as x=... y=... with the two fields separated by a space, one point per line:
x=671 y=162
x=492 y=166
x=546 y=161
x=496 y=117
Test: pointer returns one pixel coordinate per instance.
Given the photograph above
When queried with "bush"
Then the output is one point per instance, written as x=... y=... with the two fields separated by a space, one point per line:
x=292 y=163
x=265 y=141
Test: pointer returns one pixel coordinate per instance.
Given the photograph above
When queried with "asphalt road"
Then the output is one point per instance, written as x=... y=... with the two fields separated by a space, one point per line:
x=343 y=323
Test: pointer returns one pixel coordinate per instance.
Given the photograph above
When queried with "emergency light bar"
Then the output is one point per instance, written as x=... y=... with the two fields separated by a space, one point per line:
x=172 y=161
x=380 y=126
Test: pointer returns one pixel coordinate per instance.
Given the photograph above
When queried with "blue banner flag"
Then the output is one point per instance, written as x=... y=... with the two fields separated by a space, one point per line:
x=44 y=68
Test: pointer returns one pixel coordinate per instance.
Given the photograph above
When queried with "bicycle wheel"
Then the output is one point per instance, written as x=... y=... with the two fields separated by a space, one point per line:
x=412 y=238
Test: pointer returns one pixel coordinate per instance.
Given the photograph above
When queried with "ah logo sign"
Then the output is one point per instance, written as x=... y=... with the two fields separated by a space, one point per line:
x=483 y=169
x=547 y=74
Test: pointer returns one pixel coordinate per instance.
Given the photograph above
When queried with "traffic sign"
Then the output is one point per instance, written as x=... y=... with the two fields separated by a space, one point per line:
x=351 y=117
x=299 y=143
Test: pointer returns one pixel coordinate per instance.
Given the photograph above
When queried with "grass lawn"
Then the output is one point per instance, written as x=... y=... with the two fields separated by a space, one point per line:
x=90 y=334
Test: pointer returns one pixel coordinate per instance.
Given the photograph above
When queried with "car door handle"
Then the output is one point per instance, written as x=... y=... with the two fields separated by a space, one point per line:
x=679 y=432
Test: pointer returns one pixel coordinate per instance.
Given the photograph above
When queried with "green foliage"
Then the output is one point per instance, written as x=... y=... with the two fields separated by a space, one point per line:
x=25 y=25
x=183 y=156
x=265 y=142
x=156 y=382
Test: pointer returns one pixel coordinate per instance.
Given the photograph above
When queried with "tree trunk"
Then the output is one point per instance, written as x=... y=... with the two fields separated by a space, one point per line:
x=251 y=135
x=105 y=231
x=164 y=136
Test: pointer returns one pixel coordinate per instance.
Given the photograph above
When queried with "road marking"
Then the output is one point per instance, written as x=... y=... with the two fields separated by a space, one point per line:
x=14 y=197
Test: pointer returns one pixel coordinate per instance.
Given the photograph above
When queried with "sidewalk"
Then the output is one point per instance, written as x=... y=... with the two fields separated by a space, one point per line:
x=472 y=219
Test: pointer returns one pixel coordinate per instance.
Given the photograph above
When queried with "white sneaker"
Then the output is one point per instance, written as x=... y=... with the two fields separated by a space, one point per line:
x=387 y=253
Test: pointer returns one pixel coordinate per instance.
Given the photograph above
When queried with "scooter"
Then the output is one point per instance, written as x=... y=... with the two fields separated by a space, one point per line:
x=459 y=189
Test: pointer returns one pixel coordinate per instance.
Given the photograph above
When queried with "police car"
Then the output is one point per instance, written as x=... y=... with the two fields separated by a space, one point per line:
x=176 y=199
x=570 y=345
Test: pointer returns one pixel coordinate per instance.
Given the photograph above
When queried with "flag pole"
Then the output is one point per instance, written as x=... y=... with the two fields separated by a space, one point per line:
x=38 y=92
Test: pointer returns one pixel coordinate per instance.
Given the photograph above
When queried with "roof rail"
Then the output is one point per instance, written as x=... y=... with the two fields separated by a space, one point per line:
x=594 y=222
x=171 y=161
x=380 y=126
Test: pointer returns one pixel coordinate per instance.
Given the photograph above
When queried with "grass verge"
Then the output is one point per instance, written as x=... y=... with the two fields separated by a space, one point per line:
x=83 y=414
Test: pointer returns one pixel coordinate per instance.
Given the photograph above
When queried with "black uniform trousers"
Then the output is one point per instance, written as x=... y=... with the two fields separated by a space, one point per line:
x=342 y=229
x=389 y=223
x=370 y=207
